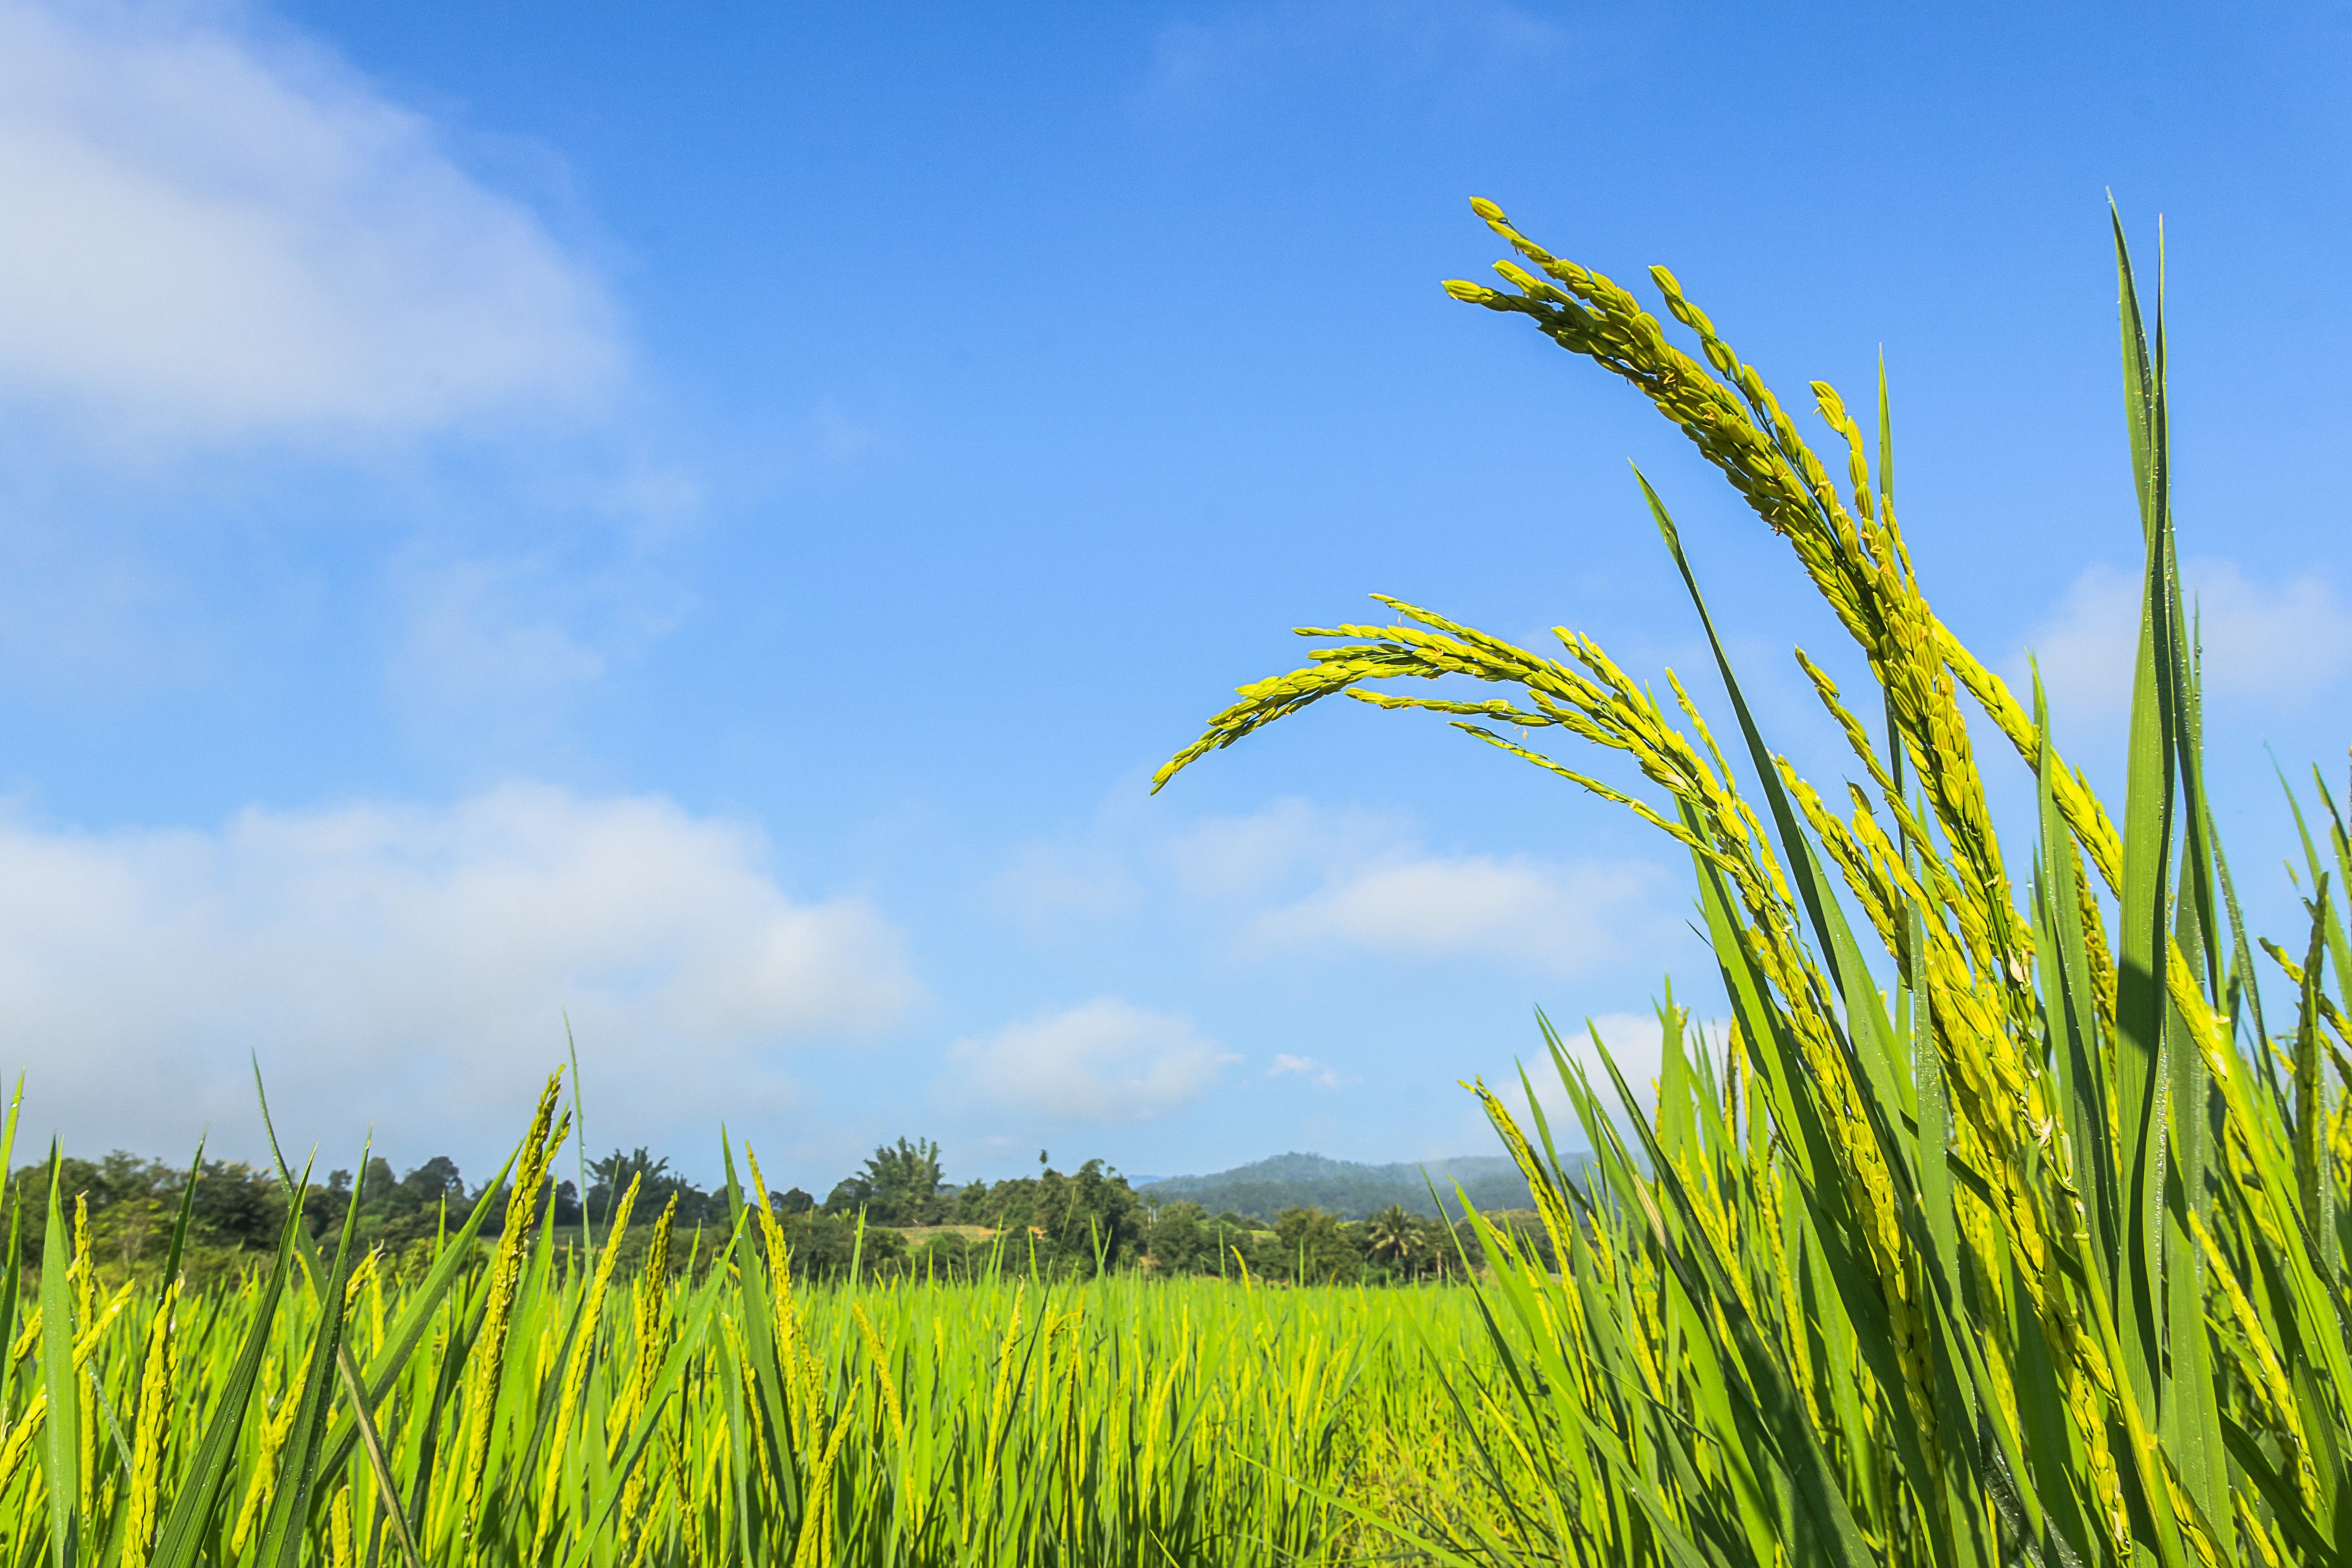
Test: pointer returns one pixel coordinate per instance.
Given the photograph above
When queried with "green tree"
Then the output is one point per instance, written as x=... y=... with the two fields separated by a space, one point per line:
x=901 y=1182
x=1394 y=1239
x=1183 y=1240
x=850 y=1195
x=1310 y=1246
x=609 y=1177
x=432 y=1184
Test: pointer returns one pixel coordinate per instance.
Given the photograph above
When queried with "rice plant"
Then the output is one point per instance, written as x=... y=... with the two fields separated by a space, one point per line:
x=2033 y=1252
x=522 y=1400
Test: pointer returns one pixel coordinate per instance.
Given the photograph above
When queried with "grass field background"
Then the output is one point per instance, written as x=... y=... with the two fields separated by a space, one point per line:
x=530 y=1405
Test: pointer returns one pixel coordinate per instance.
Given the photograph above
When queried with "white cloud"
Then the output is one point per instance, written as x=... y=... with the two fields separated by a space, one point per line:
x=471 y=635
x=1046 y=885
x=212 y=237
x=1559 y=917
x=411 y=966
x=2283 y=642
x=2086 y=646
x=1228 y=857
x=1105 y=1060
x=1321 y=1074
x=497 y=650
x=1332 y=879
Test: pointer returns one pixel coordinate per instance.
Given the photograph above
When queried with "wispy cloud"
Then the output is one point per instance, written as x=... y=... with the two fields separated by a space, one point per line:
x=1319 y=1074
x=1048 y=886
x=494 y=647
x=2280 y=643
x=1105 y=1061
x=473 y=633
x=1302 y=878
x=1333 y=881
x=415 y=965
x=212 y=237
x=1560 y=918
x=1250 y=857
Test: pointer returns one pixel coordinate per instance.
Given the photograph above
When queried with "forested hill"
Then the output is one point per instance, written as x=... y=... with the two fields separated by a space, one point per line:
x=1266 y=1187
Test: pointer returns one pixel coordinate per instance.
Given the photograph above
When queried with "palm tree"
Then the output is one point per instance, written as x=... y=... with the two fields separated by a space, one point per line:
x=613 y=1174
x=1393 y=1238
x=901 y=1182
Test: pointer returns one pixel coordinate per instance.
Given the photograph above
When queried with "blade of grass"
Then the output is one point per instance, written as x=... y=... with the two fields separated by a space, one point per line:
x=61 y=1438
x=298 y=1463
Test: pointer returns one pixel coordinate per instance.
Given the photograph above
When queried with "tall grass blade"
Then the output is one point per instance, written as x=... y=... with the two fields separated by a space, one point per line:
x=60 y=1437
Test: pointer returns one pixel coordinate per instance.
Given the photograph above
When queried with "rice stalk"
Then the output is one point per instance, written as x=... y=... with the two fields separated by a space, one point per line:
x=2011 y=1245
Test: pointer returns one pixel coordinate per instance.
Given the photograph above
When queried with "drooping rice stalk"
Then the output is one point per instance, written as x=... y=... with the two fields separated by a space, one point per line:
x=2029 y=1254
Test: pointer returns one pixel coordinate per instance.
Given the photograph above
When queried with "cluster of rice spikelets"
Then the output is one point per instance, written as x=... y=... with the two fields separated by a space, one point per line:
x=2020 y=1243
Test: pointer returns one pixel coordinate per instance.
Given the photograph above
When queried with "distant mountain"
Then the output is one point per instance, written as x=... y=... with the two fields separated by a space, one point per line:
x=1264 y=1188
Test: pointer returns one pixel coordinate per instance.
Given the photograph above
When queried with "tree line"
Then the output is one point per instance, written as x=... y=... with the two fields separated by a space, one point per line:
x=897 y=1216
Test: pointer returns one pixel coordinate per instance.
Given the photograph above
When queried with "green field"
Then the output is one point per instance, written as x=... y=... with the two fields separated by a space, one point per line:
x=529 y=1409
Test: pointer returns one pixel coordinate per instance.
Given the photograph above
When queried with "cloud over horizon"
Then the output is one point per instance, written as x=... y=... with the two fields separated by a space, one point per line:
x=414 y=968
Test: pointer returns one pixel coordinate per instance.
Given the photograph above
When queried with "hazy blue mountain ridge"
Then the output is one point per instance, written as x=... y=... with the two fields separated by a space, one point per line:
x=1264 y=1188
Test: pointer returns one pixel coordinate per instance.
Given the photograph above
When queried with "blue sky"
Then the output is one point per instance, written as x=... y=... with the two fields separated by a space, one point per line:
x=708 y=519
